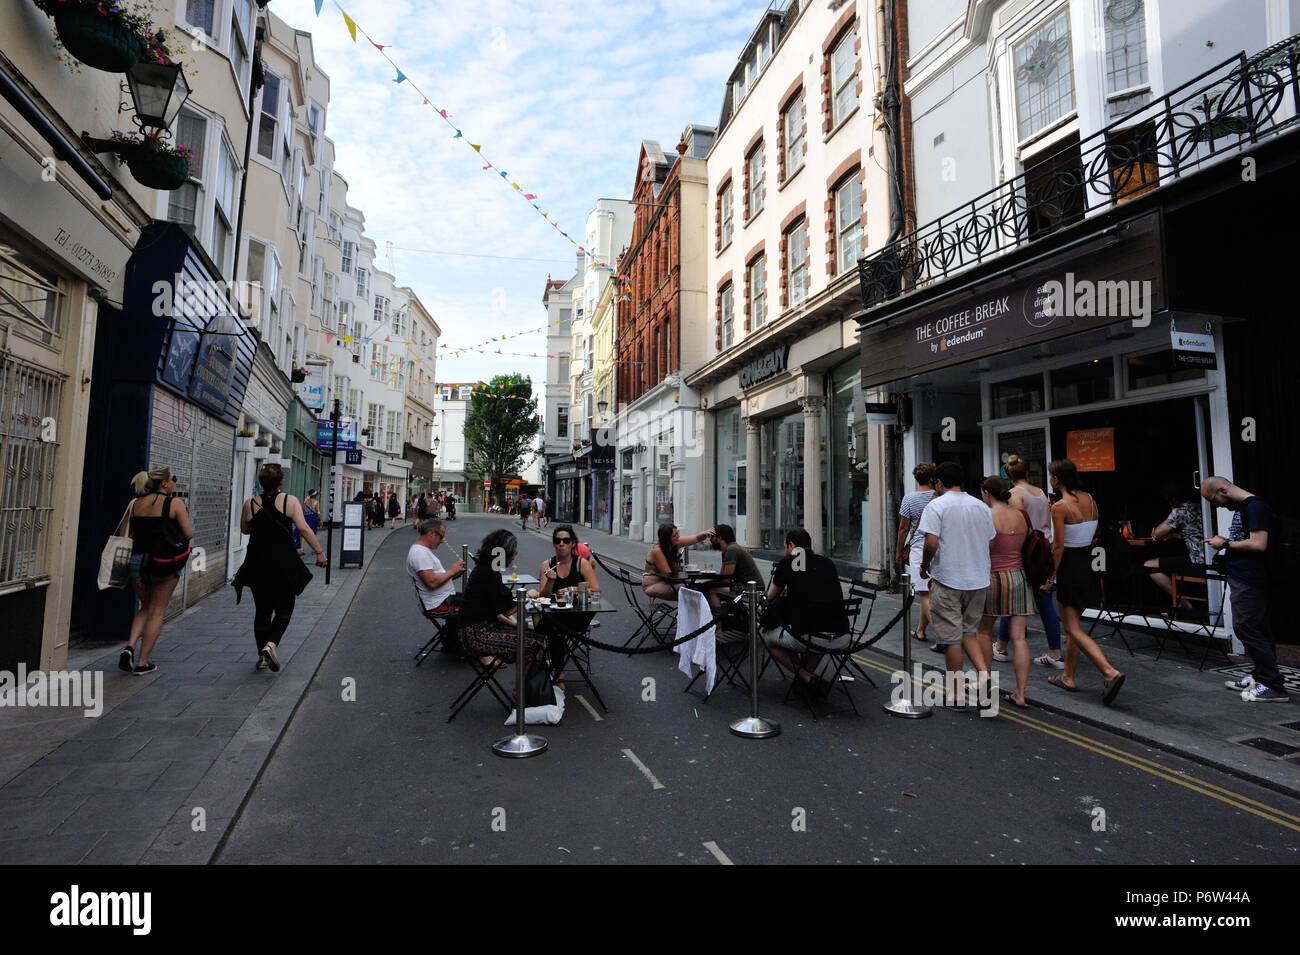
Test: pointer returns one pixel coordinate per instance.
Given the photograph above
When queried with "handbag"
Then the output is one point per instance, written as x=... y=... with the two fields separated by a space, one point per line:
x=115 y=561
x=538 y=688
x=1036 y=555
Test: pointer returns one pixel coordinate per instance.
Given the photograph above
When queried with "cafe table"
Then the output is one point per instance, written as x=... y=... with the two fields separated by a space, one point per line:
x=572 y=624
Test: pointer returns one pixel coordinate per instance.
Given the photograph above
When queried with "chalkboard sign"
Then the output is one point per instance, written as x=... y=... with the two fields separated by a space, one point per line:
x=354 y=533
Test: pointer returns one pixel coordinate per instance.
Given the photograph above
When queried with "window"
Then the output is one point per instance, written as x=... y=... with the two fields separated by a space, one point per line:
x=1018 y=396
x=1044 y=76
x=844 y=79
x=764 y=50
x=1054 y=187
x=349 y=250
x=1083 y=384
x=30 y=295
x=564 y=369
x=374 y=425
x=724 y=214
x=758 y=292
x=793 y=119
x=465 y=392
x=562 y=421
x=1157 y=368
x=269 y=120
x=381 y=310
x=335 y=229
x=183 y=203
x=1126 y=57
x=848 y=223
x=241 y=16
x=314 y=124
x=727 y=316
x=566 y=318
x=226 y=189
x=399 y=322
x=354 y=399
x=363 y=284
x=198 y=13
x=754 y=164
x=394 y=429
x=796 y=258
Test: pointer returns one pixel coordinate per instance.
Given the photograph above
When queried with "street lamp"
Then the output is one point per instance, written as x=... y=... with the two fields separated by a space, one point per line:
x=436 y=442
x=602 y=406
x=158 y=91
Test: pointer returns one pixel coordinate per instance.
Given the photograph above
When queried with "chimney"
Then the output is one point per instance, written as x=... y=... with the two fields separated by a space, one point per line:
x=697 y=141
x=582 y=261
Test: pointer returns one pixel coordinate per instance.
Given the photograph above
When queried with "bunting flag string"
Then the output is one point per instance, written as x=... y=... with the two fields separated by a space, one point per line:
x=529 y=197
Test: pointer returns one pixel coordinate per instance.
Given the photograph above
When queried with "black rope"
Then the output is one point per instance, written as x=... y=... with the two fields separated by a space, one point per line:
x=856 y=647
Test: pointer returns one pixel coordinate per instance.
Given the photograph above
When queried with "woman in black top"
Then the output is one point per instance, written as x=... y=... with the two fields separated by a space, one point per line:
x=273 y=571
x=158 y=524
x=487 y=623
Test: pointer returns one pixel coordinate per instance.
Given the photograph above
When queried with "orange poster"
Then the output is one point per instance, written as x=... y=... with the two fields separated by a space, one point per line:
x=1091 y=450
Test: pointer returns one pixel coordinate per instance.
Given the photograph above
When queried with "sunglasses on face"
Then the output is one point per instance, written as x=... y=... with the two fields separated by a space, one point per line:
x=563 y=540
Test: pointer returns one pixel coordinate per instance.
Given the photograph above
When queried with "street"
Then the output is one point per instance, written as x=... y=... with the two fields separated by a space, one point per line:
x=385 y=779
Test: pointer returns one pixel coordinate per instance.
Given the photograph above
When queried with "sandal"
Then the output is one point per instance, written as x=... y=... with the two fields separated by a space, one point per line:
x=1110 y=689
x=1011 y=698
x=916 y=634
x=1058 y=681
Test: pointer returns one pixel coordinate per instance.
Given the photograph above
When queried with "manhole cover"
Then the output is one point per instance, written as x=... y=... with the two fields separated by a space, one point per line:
x=1270 y=746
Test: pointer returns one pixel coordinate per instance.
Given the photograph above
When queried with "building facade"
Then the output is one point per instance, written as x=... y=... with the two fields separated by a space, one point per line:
x=557 y=431
x=798 y=191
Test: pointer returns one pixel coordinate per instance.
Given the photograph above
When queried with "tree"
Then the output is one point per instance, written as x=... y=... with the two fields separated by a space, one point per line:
x=499 y=430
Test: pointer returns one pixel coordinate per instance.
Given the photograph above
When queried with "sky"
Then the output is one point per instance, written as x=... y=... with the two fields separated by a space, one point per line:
x=558 y=93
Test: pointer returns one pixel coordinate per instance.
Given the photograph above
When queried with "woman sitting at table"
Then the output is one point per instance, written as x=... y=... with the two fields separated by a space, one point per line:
x=564 y=571
x=665 y=558
x=487 y=624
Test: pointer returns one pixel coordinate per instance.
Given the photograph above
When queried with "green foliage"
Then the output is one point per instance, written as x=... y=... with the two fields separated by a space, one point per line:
x=500 y=428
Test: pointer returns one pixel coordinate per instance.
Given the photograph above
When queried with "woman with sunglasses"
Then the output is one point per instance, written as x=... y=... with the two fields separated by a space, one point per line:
x=158 y=524
x=566 y=568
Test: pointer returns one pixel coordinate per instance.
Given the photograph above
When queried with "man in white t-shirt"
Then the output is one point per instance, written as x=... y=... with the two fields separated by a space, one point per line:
x=955 y=558
x=433 y=583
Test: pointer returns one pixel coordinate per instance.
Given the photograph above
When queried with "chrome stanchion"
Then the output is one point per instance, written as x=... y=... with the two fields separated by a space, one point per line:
x=464 y=562
x=754 y=726
x=521 y=744
x=905 y=707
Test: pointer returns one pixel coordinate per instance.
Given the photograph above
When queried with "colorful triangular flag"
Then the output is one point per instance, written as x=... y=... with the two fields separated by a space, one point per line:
x=352 y=26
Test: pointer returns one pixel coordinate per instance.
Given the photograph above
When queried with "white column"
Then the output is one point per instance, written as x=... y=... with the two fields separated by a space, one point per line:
x=753 y=450
x=812 y=468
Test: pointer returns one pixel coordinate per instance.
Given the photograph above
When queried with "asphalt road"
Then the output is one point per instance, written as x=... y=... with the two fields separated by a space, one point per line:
x=385 y=779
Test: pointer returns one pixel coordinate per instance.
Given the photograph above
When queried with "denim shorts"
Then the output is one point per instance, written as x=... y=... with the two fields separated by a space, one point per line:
x=144 y=572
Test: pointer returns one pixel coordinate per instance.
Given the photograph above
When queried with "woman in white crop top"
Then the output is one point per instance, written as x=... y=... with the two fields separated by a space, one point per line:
x=1074 y=519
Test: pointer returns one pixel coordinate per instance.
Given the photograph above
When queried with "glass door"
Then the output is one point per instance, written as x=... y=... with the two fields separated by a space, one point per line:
x=1031 y=441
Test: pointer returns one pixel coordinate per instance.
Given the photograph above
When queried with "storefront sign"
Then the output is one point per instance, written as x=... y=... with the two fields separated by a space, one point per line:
x=1193 y=348
x=325 y=434
x=989 y=320
x=566 y=472
x=882 y=412
x=312 y=392
x=215 y=363
x=353 y=457
x=766 y=366
x=1092 y=449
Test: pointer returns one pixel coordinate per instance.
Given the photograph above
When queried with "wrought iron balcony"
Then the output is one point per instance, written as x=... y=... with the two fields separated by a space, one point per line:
x=1226 y=109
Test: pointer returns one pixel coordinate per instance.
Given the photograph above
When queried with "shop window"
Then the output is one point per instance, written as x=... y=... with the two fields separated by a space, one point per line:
x=1044 y=76
x=1054 y=191
x=1083 y=384
x=1157 y=368
x=1017 y=396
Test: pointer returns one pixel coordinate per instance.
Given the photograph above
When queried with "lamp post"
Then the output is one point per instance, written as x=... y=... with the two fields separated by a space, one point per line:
x=158 y=91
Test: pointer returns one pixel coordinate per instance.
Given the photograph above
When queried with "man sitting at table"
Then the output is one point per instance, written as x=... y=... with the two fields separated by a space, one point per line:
x=736 y=563
x=433 y=583
x=804 y=598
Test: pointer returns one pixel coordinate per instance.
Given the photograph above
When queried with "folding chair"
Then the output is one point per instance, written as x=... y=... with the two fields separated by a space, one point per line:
x=815 y=644
x=1121 y=594
x=652 y=612
x=1196 y=589
x=731 y=622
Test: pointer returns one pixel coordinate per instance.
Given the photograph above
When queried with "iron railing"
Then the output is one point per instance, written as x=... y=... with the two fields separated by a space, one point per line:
x=1226 y=109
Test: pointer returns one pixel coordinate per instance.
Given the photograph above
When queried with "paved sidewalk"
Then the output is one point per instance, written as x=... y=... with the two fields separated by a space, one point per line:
x=159 y=775
x=1167 y=703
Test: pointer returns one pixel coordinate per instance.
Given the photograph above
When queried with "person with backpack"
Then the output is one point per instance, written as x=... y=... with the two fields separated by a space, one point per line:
x=273 y=571
x=1246 y=550
x=160 y=531
x=1009 y=593
x=1026 y=496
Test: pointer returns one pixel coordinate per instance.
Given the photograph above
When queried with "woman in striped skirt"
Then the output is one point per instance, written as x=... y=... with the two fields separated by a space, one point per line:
x=1008 y=594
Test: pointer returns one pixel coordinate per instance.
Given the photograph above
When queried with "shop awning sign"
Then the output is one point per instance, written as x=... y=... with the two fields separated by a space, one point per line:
x=1193 y=348
x=764 y=366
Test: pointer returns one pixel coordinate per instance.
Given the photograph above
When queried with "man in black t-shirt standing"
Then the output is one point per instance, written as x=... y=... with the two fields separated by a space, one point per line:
x=804 y=598
x=1246 y=549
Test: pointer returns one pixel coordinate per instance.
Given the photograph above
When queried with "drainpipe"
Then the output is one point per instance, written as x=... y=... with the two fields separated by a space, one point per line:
x=254 y=84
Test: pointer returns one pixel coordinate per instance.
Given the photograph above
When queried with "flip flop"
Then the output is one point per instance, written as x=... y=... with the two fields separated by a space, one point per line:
x=1058 y=682
x=1110 y=689
x=917 y=635
x=1011 y=698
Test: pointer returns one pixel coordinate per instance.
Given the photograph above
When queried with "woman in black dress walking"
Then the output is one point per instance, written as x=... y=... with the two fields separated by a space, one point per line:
x=273 y=571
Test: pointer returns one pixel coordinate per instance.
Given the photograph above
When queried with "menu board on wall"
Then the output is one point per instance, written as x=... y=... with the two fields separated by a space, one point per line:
x=1092 y=449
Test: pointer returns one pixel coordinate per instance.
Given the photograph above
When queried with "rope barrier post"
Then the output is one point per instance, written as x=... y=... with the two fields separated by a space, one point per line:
x=464 y=562
x=521 y=744
x=905 y=707
x=754 y=726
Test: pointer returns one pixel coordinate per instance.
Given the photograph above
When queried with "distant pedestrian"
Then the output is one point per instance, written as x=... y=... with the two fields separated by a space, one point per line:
x=394 y=508
x=1074 y=525
x=1246 y=548
x=272 y=569
x=421 y=508
x=910 y=543
x=955 y=559
x=550 y=509
x=311 y=514
x=160 y=532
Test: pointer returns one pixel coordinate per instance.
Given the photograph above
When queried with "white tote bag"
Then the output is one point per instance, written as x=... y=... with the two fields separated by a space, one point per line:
x=115 y=562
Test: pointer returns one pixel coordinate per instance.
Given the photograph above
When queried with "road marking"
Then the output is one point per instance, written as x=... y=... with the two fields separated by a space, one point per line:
x=1186 y=780
x=594 y=715
x=718 y=853
x=645 y=770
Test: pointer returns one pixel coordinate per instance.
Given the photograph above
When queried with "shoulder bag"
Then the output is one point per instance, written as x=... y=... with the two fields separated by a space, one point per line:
x=115 y=562
x=1036 y=555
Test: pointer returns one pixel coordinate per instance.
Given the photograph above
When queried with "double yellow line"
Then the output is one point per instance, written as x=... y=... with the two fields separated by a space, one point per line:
x=1226 y=796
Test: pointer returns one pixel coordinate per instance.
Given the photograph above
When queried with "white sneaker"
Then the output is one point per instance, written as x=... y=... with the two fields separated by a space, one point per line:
x=272 y=659
x=999 y=655
x=1245 y=683
x=1259 y=693
x=1047 y=660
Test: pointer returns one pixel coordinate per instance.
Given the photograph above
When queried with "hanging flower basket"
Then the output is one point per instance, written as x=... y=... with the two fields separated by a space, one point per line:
x=158 y=168
x=99 y=40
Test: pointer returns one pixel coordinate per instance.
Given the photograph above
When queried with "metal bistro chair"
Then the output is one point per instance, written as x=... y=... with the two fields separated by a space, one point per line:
x=1206 y=625
x=1121 y=589
x=839 y=659
x=649 y=611
x=731 y=623
x=444 y=628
